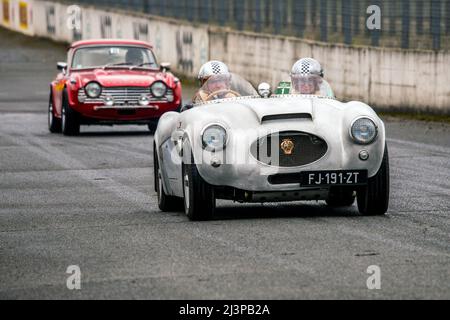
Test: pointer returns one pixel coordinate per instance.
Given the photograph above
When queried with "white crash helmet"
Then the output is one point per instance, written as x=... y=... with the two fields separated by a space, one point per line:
x=212 y=68
x=306 y=67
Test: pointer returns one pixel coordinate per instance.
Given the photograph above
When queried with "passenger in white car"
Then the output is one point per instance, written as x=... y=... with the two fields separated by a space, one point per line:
x=307 y=78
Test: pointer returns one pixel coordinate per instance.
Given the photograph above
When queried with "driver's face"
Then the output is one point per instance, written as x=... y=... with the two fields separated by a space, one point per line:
x=305 y=86
x=216 y=85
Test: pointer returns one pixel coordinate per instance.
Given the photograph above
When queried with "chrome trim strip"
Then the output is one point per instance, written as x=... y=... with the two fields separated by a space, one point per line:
x=125 y=107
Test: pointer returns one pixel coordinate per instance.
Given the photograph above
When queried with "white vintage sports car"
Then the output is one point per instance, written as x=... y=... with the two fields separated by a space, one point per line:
x=239 y=145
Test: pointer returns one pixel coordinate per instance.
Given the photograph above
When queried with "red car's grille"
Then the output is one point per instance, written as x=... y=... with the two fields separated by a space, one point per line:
x=125 y=95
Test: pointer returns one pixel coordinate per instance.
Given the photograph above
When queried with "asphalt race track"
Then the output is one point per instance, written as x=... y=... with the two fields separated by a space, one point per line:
x=89 y=201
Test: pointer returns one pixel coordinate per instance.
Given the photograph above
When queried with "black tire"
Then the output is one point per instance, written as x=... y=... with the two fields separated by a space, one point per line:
x=340 y=197
x=199 y=199
x=373 y=200
x=54 y=124
x=70 y=119
x=152 y=126
x=165 y=203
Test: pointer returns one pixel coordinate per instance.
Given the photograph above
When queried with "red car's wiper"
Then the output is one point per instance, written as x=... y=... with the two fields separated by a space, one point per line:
x=143 y=64
x=116 y=64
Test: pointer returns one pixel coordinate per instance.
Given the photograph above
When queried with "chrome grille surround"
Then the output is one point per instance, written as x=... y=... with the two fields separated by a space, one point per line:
x=305 y=148
x=125 y=95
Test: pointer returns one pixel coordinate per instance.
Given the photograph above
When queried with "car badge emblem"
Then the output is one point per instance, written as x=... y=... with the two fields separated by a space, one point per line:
x=287 y=145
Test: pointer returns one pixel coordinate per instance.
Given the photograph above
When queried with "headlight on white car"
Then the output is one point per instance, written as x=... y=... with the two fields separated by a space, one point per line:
x=214 y=137
x=363 y=130
x=93 y=90
x=158 y=89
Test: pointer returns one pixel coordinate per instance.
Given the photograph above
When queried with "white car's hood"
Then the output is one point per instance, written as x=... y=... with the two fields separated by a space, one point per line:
x=265 y=109
x=240 y=112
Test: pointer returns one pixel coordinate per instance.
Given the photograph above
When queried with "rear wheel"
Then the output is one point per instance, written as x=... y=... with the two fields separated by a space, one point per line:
x=373 y=200
x=54 y=123
x=165 y=203
x=70 y=118
x=199 y=198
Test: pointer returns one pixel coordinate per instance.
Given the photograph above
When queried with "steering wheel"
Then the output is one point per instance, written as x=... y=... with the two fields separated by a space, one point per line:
x=225 y=91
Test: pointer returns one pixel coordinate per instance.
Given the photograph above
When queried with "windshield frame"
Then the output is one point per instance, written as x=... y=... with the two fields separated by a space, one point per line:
x=130 y=67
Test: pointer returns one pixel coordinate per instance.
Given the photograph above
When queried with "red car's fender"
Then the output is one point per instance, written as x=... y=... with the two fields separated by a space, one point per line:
x=57 y=88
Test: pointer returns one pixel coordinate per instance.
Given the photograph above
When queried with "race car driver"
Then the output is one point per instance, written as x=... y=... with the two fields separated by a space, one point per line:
x=214 y=78
x=134 y=56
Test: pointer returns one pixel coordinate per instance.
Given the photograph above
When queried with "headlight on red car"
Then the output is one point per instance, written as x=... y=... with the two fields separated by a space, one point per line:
x=158 y=89
x=93 y=90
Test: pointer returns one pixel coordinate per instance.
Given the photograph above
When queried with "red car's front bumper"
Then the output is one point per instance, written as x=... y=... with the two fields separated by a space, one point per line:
x=100 y=112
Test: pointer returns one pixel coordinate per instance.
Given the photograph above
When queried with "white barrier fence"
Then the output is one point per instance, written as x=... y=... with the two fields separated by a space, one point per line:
x=390 y=79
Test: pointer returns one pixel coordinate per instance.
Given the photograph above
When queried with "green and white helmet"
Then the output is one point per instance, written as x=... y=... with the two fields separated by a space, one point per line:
x=212 y=68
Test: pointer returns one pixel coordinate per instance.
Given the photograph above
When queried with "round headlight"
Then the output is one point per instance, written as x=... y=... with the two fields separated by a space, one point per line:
x=214 y=137
x=93 y=90
x=363 y=130
x=158 y=89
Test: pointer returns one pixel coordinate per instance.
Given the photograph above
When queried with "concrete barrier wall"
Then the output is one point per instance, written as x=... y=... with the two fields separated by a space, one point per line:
x=384 y=77
x=390 y=79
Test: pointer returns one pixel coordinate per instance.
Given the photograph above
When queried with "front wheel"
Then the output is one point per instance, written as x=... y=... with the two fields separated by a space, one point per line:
x=152 y=126
x=373 y=200
x=165 y=203
x=54 y=123
x=199 y=198
x=70 y=118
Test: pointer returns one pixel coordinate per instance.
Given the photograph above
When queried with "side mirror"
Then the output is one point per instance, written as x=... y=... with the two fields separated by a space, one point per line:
x=264 y=90
x=165 y=66
x=186 y=107
x=61 y=66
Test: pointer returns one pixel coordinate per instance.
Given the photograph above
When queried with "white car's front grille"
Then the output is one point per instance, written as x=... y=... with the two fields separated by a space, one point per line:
x=125 y=95
x=289 y=149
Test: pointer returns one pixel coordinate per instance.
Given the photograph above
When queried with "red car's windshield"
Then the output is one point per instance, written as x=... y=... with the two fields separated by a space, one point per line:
x=101 y=56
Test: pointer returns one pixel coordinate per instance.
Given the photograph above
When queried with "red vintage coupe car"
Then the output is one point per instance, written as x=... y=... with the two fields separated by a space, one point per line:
x=110 y=82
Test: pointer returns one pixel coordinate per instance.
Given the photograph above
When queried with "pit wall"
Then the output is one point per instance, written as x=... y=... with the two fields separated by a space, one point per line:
x=386 y=78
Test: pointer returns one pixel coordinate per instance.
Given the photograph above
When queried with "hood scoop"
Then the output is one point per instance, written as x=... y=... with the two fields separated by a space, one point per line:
x=272 y=110
x=286 y=116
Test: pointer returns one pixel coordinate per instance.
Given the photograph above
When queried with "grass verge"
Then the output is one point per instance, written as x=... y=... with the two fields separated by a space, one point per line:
x=415 y=116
